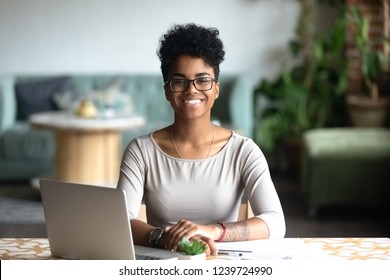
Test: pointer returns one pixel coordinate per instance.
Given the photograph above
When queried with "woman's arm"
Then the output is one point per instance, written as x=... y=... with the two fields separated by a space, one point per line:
x=250 y=229
x=253 y=228
x=141 y=232
x=262 y=194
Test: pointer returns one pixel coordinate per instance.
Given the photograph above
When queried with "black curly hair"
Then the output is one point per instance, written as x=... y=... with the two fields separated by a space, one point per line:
x=194 y=40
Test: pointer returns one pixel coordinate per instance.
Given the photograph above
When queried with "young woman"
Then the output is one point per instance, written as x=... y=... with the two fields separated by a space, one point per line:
x=192 y=174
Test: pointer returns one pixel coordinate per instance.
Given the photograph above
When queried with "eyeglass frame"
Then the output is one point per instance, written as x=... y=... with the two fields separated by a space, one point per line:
x=191 y=81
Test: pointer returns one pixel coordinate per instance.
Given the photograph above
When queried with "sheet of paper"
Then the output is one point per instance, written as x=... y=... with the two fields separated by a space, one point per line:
x=280 y=249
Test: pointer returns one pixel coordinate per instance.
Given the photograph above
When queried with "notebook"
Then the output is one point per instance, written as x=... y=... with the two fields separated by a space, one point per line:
x=90 y=222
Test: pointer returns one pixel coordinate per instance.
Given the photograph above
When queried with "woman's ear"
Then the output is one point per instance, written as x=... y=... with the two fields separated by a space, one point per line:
x=216 y=90
x=166 y=92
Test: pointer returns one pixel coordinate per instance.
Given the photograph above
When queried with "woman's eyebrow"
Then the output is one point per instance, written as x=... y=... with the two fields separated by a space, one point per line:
x=180 y=75
x=202 y=74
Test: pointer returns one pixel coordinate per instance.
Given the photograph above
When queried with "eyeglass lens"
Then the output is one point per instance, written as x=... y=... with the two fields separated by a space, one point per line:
x=199 y=83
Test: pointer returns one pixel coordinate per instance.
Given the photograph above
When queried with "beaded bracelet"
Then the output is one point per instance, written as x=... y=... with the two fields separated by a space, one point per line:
x=223 y=233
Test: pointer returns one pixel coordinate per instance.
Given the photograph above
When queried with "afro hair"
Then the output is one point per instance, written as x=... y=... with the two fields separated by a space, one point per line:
x=193 y=40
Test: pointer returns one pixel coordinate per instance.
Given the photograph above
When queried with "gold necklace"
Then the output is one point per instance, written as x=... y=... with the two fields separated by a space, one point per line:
x=174 y=144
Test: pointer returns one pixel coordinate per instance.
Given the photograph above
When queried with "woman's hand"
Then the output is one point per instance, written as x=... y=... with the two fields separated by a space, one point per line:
x=173 y=235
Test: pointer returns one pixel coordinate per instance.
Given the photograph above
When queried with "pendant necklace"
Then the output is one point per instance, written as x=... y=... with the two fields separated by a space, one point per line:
x=176 y=150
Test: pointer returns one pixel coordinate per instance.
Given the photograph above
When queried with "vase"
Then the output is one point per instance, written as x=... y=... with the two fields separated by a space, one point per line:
x=181 y=256
x=367 y=112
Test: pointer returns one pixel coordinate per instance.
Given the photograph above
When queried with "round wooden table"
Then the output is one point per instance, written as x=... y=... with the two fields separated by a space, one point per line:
x=87 y=150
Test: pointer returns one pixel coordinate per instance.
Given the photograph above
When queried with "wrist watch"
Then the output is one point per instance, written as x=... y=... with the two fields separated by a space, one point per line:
x=155 y=236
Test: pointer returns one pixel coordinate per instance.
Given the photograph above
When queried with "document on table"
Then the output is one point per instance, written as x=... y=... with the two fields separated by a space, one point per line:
x=278 y=249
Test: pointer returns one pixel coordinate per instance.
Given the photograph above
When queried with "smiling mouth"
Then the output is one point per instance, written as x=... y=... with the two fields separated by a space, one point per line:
x=192 y=101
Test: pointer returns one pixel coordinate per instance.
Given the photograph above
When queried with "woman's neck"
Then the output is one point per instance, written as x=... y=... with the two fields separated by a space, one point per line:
x=192 y=140
x=192 y=132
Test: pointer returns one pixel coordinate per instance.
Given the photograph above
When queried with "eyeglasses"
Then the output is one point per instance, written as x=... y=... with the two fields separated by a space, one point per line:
x=180 y=85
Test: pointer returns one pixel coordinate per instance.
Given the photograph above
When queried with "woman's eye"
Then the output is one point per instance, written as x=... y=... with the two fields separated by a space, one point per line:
x=202 y=81
x=179 y=82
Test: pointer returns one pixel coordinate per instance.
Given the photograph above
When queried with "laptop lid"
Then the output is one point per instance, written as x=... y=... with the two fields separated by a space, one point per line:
x=89 y=222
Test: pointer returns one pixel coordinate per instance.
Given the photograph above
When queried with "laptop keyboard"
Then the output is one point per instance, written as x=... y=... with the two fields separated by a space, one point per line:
x=145 y=257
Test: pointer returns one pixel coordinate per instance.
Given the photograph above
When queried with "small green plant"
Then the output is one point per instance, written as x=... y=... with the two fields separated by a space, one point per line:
x=191 y=247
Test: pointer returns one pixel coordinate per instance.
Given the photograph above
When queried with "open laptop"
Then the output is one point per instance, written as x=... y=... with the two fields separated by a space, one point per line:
x=91 y=222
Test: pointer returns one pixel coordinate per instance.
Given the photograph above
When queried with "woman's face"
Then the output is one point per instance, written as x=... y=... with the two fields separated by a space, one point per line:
x=191 y=103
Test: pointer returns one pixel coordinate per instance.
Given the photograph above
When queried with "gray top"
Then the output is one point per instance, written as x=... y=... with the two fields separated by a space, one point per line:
x=204 y=191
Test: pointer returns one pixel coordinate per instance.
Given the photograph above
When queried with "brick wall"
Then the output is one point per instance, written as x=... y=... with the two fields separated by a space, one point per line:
x=378 y=12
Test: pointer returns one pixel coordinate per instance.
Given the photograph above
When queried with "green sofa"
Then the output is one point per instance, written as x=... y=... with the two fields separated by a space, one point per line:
x=27 y=152
x=346 y=167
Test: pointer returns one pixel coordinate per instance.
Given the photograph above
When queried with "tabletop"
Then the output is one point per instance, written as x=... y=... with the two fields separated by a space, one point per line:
x=336 y=248
x=63 y=120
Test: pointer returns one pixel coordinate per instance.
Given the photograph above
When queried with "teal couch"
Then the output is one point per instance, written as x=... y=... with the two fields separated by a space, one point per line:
x=27 y=152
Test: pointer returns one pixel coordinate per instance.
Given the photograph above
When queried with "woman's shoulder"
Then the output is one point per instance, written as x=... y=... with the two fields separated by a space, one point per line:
x=142 y=138
x=242 y=144
x=141 y=141
x=150 y=141
x=229 y=140
x=239 y=139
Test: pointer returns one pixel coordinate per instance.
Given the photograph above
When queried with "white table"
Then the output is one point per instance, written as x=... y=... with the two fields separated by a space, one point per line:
x=87 y=150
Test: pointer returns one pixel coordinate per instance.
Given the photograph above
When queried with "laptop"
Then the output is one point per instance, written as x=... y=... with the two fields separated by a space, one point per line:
x=91 y=222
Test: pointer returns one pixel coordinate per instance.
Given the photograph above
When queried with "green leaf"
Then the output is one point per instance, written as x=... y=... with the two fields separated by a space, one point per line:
x=191 y=247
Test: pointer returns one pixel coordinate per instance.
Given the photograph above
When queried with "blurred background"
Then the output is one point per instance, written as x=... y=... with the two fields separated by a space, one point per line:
x=308 y=63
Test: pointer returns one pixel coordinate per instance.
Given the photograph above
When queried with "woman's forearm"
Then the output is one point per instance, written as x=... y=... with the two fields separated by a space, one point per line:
x=251 y=229
x=141 y=232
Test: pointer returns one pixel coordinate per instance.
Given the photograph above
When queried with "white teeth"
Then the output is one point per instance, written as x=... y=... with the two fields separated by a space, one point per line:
x=192 y=101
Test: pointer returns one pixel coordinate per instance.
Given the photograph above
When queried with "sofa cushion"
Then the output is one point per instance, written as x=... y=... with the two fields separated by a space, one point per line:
x=346 y=166
x=38 y=96
x=22 y=143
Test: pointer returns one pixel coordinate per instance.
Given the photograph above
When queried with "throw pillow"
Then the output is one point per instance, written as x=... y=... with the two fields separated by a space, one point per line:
x=38 y=96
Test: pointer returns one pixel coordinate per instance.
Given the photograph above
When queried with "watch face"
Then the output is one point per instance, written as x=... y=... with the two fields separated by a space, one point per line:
x=155 y=235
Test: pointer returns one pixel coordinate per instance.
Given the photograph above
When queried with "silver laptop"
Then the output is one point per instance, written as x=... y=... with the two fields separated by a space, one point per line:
x=90 y=222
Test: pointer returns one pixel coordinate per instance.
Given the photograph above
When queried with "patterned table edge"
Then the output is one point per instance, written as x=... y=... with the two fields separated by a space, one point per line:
x=342 y=248
x=346 y=248
x=25 y=249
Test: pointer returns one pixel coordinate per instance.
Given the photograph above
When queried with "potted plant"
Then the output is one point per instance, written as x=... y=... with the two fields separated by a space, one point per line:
x=306 y=96
x=369 y=107
x=190 y=250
